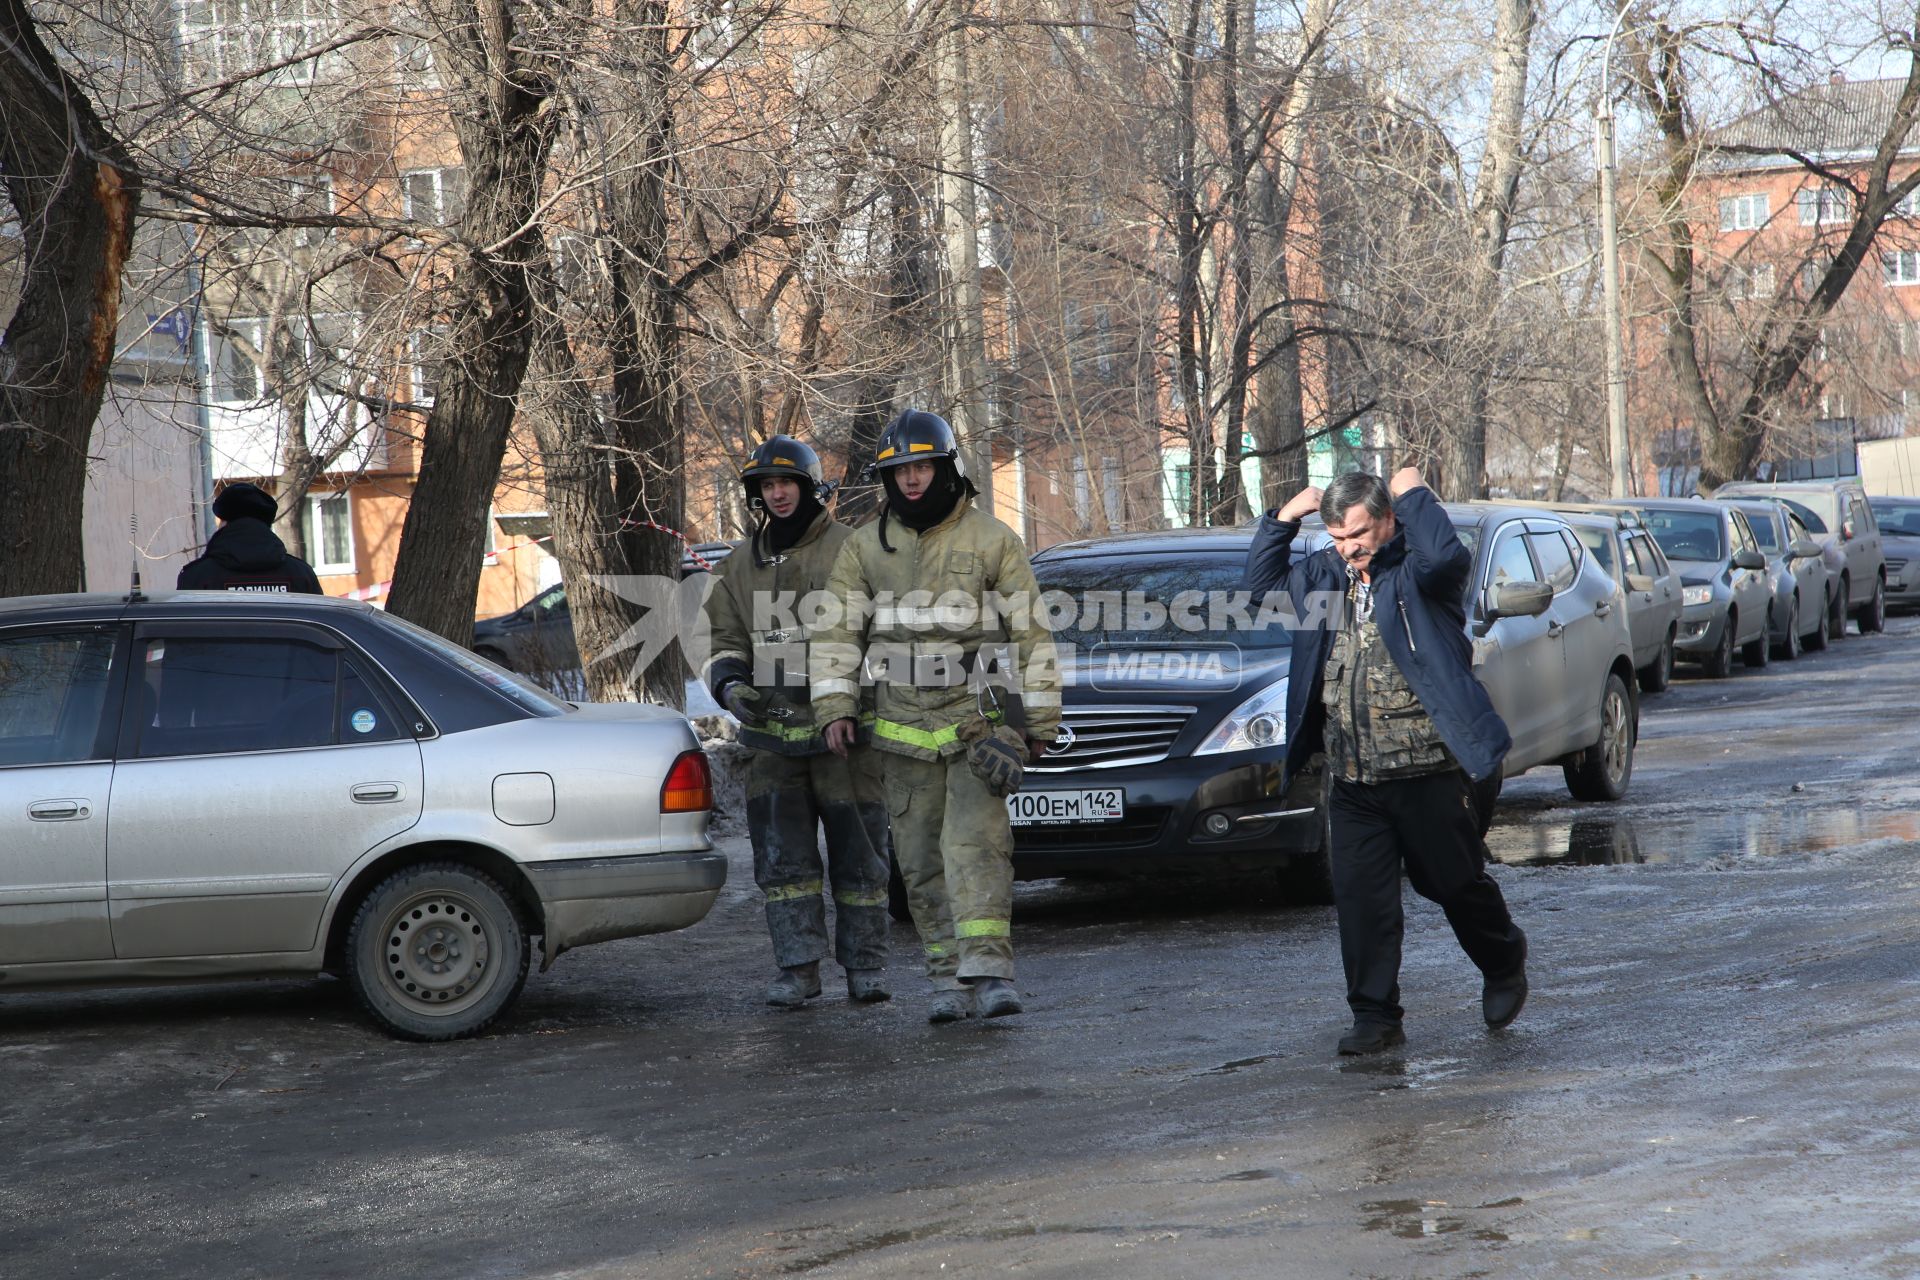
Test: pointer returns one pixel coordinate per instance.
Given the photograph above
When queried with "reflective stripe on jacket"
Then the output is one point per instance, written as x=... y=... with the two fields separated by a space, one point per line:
x=912 y=626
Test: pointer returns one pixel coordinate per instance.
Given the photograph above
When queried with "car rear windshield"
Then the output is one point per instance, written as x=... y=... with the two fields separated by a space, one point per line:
x=1686 y=535
x=1599 y=542
x=1764 y=533
x=1902 y=519
x=527 y=697
x=1818 y=511
x=1139 y=599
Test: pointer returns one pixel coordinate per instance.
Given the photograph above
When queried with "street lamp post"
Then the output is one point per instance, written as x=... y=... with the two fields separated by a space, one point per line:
x=1610 y=267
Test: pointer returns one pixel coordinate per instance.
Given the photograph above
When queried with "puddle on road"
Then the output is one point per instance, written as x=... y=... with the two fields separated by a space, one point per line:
x=1611 y=841
x=1416 y=1219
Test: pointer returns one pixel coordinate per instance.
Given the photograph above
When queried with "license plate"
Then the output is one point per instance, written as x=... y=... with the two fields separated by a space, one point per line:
x=1048 y=808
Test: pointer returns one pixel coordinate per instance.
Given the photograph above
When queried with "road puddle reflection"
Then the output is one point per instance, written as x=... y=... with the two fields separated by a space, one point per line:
x=1414 y=1219
x=1613 y=841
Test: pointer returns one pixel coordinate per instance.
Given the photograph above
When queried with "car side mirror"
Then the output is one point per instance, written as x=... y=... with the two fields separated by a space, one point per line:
x=1748 y=558
x=1518 y=600
x=1804 y=549
x=1639 y=582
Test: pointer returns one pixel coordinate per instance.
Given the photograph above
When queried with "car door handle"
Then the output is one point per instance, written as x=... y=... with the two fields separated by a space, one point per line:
x=1554 y=629
x=376 y=792
x=59 y=810
x=1602 y=608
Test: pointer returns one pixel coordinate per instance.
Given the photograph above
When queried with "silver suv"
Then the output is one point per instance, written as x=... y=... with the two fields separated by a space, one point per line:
x=1836 y=513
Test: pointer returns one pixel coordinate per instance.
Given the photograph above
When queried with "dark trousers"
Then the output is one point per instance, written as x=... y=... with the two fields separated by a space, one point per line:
x=1426 y=824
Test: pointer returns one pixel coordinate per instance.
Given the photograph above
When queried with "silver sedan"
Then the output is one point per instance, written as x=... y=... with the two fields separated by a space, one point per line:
x=208 y=786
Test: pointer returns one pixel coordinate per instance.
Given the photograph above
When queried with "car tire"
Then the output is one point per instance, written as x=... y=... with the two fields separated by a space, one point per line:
x=897 y=905
x=1306 y=880
x=1755 y=652
x=1719 y=663
x=1602 y=771
x=1789 y=648
x=1837 y=611
x=1658 y=674
x=1872 y=618
x=1817 y=639
x=437 y=951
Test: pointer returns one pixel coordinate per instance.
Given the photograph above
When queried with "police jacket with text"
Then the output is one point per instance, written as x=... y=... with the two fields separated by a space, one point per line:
x=1419 y=583
x=246 y=555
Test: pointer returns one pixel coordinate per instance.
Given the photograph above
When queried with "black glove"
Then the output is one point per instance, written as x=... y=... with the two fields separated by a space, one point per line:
x=997 y=762
x=744 y=702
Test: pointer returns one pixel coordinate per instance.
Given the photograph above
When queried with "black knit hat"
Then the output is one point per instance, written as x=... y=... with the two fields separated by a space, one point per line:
x=248 y=500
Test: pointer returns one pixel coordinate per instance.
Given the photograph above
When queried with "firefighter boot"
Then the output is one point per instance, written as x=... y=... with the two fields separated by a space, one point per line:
x=795 y=986
x=867 y=986
x=951 y=1004
x=996 y=996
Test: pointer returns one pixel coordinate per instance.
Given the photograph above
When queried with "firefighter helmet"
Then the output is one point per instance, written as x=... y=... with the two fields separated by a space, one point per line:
x=784 y=456
x=918 y=436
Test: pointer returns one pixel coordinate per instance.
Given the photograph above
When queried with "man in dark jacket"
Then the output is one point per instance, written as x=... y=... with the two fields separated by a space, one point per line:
x=1386 y=689
x=244 y=553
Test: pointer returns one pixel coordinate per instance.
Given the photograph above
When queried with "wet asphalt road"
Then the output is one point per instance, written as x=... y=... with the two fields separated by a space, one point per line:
x=1716 y=1075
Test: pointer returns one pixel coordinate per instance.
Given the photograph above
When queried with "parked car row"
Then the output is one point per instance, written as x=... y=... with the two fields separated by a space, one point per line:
x=1171 y=747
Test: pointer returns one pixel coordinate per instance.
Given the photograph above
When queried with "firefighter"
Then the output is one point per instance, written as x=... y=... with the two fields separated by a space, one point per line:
x=939 y=615
x=758 y=672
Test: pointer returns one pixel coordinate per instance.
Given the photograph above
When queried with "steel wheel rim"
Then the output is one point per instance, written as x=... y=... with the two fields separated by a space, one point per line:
x=1615 y=742
x=436 y=956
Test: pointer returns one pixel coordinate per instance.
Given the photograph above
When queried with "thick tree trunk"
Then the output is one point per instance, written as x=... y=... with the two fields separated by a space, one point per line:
x=505 y=136
x=649 y=464
x=74 y=189
x=574 y=453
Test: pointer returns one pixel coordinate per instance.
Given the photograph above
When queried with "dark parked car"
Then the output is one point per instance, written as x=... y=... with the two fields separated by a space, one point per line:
x=1725 y=591
x=537 y=639
x=1899 y=521
x=1172 y=738
x=1798 y=572
x=1617 y=539
x=1836 y=513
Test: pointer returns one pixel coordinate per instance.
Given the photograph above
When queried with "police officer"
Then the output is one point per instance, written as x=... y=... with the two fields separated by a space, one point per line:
x=244 y=553
x=940 y=613
x=758 y=672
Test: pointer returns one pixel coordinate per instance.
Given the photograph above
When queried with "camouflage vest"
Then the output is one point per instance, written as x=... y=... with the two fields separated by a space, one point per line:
x=1376 y=728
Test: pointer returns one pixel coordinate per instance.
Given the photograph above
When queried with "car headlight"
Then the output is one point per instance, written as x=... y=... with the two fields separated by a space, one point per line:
x=1260 y=721
x=1696 y=595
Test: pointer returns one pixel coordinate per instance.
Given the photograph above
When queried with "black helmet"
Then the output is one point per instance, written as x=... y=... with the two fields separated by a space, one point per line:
x=784 y=456
x=917 y=436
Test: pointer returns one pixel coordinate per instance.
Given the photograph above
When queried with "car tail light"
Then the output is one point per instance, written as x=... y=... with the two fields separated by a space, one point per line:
x=689 y=785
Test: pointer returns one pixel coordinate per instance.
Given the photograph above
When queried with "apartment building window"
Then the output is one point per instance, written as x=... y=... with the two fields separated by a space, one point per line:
x=236 y=374
x=723 y=34
x=1744 y=213
x=413 y=60
x=1821 y=205
x=436 y=197
x=329 y=530
x=308 y=195
x=1901 y=266
x=1103 y=336
x=425 y=352
x=1750 y=282
x=222 y=38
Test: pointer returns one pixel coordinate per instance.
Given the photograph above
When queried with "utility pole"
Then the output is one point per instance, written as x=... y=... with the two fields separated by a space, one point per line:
x=966 y=355
x=1610 y=267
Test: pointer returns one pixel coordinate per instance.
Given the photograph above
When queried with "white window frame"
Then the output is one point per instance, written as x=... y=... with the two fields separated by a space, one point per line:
x=413 y=62
x=1900 y=267
x=438 y=176
x=316 y=533
x=1822 y=205
x=304 y=187
x=254 y=330
x=1745 y=212
x=1754 y=281
x=254 y=33
x=421 y=394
